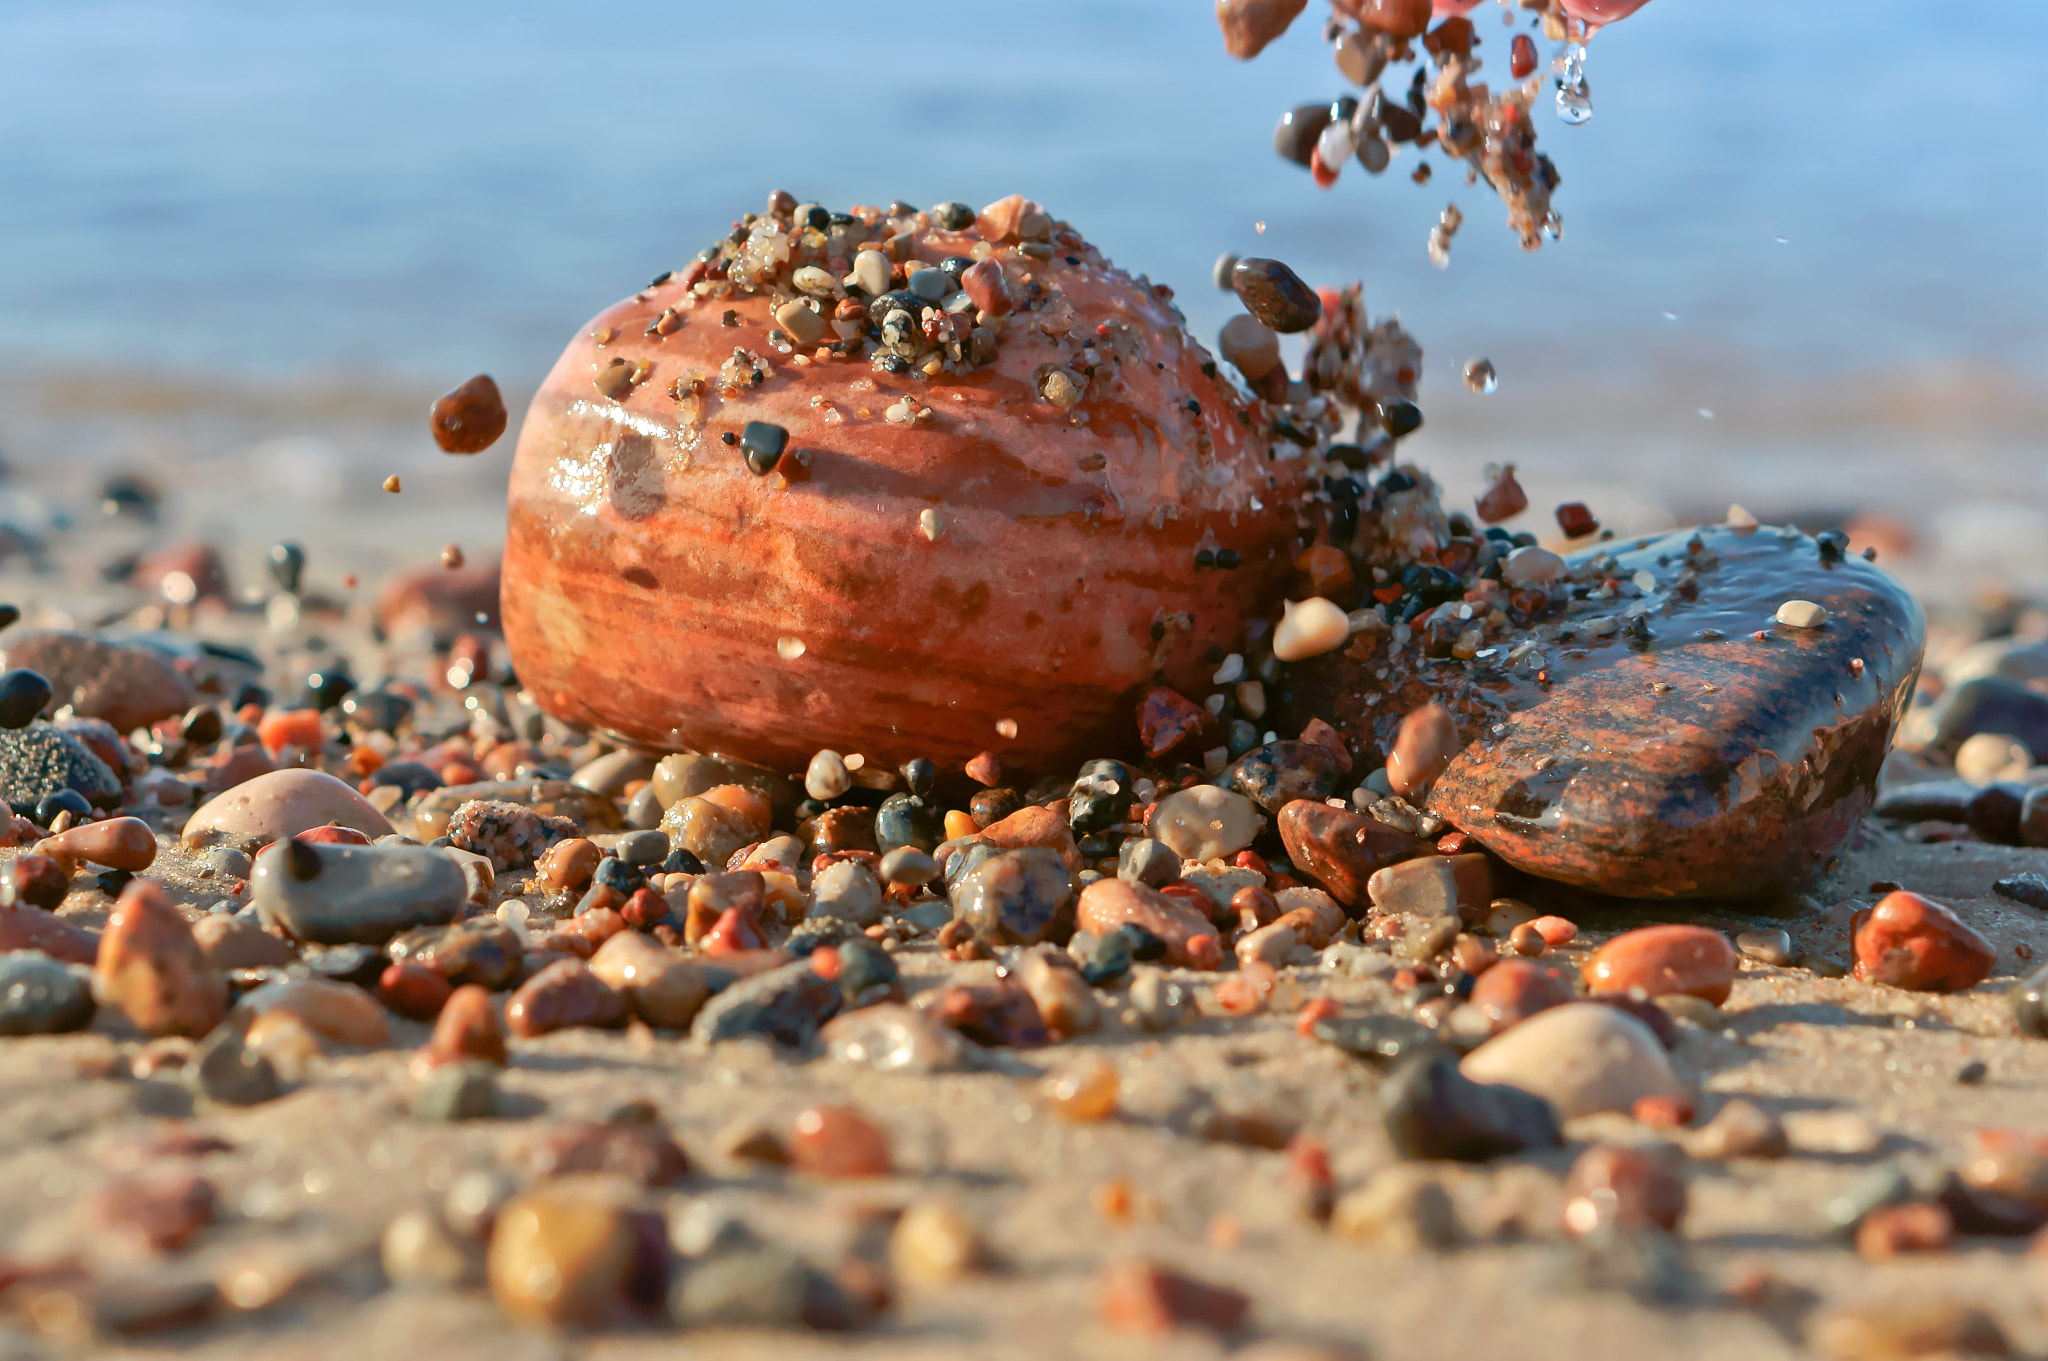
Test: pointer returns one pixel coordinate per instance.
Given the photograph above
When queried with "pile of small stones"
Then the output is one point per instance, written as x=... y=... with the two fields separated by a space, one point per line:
x=447 y=856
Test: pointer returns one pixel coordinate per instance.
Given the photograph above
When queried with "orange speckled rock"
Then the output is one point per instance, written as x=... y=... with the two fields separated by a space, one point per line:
x=151 y=970
x=1906 y=941
x=1190 y=940
x=894 y=586
x=1660 y=960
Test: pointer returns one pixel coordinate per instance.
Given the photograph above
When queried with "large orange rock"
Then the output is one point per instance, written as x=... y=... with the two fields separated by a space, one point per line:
x=906 y=579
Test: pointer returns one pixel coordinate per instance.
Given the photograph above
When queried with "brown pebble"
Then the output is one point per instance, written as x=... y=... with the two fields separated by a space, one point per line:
x=469 y=419
x=1423 y=749
x=1895 y=1230
x=451 y=557
x=413 y=991
x=838 y=1141
x=151 y=970
x=1515 y=989
x=118 y=843
x=564 y=995
x=391 y=483
x=1624 y=1188
x=569 y=863
x=467 y=1027
x=1275 y=295
x=1085 y=1093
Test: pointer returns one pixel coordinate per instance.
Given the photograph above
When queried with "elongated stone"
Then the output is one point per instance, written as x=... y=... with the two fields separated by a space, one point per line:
x=1665 y=750
x=335 y=895
x=282 y=804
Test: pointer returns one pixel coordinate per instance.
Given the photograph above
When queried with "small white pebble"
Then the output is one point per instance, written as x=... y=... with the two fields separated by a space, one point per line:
x=1232 y=670
x=789 y=649
x=1801 y=614
x=1309 y=628
x=932 y=523
x=826 y=777
x=1531 y=566
x=1645 y=580
x=1740 y=520
x=1007 y=727
x=1251 y=697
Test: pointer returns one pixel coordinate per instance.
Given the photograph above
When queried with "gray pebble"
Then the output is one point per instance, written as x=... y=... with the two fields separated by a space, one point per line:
x=231 y=1075
x=1768 y=947
x=1160 y=1003
x=909 y=865
x=648 y=847
x=849 y=891
x=227 y=862
x=456 y=1091
x=40 y=996
x=1145 y=861
x=643 y=810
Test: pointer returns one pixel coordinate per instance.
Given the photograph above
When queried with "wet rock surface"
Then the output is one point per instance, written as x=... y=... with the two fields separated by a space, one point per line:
x=1653 y=745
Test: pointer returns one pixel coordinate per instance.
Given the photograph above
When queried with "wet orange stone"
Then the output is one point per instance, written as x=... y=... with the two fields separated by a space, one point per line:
x=1908 y=941
x=1190 y=940
x=120 y=843
x=467 y=1027
x=283 y=728
x=569 y=863
x=838 y=1141
x=1656 y=961
x=816 y=588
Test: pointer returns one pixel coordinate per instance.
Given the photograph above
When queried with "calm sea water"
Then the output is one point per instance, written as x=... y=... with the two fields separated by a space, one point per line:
x=1804 y=258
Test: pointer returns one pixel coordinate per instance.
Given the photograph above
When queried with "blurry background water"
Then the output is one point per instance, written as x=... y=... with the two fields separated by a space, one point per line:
x=1804 y=260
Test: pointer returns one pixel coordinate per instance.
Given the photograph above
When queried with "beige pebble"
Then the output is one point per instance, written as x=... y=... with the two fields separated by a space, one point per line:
x=1309 y=628
x=1249 y=344
x=1801 y=614
x=1740 y=520
x=1986 y=757
x=1531 y=566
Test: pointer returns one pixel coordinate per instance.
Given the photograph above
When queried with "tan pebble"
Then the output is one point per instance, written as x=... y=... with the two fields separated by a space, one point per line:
x=563 y=1254
x=120 y=843
x=236 y=943
x=1740 y=1129
x=1402 y=1208
x=340 y=1012
x=1423 y=749
x=1987 y=757
x=934 y=1244
x=391 y=483
x=1309 y=628
x=1086 y=1092
x=1801 y=614
x=663 y=987
x=1250 y=345
x=1740 y=520
x=288 y=1042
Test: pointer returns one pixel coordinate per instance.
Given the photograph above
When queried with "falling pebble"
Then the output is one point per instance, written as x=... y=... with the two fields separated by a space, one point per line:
x=1481 y=377
x=391 y=483
x=1007 y=727
x=932 y=523
x=1784 y=240
x=1259 y=227
x=451 y=556
x=348 y=582
x=1671 y=316
x=1705 y=414
x=1740 y=520
x=789 y=649
x=1574 y=96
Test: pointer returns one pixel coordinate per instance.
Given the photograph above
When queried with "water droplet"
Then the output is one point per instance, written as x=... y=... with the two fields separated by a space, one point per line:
x=789 y=649
x=1574 y=96
x=1784 y=240
x=1705 y=414
x=1671 y=316
x=1481 y=378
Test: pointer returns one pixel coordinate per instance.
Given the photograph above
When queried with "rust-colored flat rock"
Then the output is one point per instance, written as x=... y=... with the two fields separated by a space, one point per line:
x=895 y=584
x=1653 y=745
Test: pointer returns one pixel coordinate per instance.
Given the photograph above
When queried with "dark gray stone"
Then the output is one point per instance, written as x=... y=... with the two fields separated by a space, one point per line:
x=228 y=1073
x=1145 y=861
x=1431 y=1110
x=786 y=1005
x=41 y=996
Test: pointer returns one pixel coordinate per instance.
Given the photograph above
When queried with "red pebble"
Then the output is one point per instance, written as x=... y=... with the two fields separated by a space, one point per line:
x=1166 y=719
x=1503 y=500
x=332 y=836
x=1513 y=990
x=986 y=769
x=1663 y=1112
x=1319 y=1009
x=825 y=962
x=1572 y=517
x=1556 y=931
x=468 y=1027
x=1908 y=941
x=1144 y=1297
x=1253 y=861
x=1453 y=843
x=1521 y=64
x=731 y=934
x=644 y=909
x=413 y=991
x=838 y=1141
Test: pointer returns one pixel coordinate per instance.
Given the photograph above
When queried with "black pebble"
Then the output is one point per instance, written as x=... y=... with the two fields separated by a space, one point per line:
x=920 y=774
x=681 y=861
x=9 y=614
x=1295 y=137
x=1144 y=944
x=287 y=565
x=1399 y=418
x=954 y=217
x=762 y=442
x=23 y=693
x=1973 y=1073
x=63 y=801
